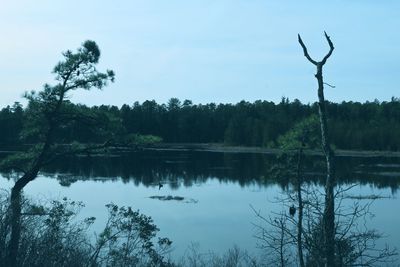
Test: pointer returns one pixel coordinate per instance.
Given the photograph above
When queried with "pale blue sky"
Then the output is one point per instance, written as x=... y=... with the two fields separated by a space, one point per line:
x=206 y=51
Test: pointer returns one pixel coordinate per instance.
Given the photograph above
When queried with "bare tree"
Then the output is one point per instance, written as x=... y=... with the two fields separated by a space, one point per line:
x=283 y=233
x=329 y=212
x=277 y=238
x=355 y=244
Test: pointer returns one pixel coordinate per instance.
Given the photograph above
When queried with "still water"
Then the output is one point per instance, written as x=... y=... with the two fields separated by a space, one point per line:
x=219 y=190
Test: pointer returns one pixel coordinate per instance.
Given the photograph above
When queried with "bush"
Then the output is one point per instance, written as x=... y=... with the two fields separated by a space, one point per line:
x=52 y=236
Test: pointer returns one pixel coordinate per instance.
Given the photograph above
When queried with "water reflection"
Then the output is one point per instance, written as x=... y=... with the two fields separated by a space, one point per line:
x=223 y=186
x=186 y=168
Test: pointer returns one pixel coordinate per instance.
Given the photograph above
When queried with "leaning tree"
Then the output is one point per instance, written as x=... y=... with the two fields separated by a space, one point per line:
x=48 y=111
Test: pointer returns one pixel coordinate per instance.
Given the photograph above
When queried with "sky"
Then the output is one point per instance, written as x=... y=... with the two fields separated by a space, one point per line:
x=220 y=51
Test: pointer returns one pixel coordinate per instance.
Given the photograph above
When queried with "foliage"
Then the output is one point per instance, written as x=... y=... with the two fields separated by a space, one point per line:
x=234 y=257
x=50 y=117
x=53 y=236
x=127 y=240
x=50 y=107
x=138 y=139
x=50 y=235
x=305 y=133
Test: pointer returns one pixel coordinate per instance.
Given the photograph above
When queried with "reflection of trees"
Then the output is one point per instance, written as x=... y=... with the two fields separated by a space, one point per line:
x=174 y=168
x=185 y=168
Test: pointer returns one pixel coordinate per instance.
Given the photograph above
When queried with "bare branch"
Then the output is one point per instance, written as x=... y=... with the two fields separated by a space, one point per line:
x=330 y=50
x=331 y=86
x=305 y=51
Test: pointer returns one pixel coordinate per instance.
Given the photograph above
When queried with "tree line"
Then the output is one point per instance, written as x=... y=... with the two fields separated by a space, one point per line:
x=369 y=126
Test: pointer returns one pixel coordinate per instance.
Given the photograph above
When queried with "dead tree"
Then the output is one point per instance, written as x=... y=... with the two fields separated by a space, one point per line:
x=300 y=205
x=329 y=211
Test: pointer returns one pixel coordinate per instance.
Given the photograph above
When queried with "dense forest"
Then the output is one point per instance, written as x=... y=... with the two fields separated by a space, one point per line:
x=368 y=126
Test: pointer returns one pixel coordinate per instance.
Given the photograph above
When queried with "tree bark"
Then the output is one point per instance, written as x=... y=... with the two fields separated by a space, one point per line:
x=16 y=191
x=329 y=209
x=15 y=199
x=300 y=203
x=16 y=205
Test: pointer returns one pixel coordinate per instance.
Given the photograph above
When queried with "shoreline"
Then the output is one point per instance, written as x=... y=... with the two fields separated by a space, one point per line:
x=220 y=148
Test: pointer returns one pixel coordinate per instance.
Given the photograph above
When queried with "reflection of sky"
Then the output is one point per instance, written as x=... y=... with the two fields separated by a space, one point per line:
x=221 y=218
x=207 y=51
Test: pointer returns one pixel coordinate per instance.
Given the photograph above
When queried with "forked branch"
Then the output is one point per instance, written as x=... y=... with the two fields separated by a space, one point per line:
x=307 y=55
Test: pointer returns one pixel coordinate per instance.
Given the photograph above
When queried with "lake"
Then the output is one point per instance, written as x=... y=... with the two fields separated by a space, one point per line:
x=219 y=191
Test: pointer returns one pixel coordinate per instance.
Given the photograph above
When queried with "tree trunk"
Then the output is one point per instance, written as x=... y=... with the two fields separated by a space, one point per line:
x=282 y=244
x=329 y=210
x=300 y=203
x=16 y=194
x=15 y=201
x=15 y=228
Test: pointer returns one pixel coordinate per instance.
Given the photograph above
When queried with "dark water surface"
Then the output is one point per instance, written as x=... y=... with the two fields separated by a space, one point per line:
x=217 y=189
